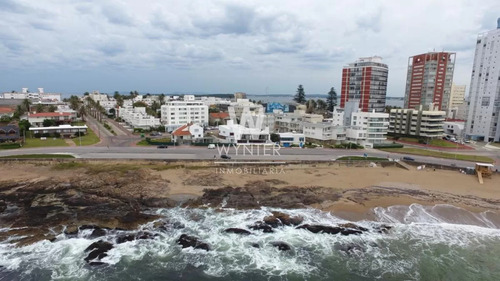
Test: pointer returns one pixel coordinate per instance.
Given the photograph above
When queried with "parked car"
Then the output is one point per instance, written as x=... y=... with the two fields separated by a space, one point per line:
x=225 y=156
x=211 y=146
x=407 y=158
x=162 y=146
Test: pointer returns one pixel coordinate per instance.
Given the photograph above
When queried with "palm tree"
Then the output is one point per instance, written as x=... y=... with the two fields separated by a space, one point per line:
x=81 y=112
x=26 y=104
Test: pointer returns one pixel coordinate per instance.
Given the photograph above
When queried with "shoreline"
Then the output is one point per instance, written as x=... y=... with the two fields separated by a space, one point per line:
x=113 y=194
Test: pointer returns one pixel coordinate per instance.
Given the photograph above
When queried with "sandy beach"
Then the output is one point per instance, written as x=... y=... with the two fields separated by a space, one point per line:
x=362 y=188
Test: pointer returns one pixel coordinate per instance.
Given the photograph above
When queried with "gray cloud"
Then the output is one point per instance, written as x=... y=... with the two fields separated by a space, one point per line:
x=220 y=44
x=116 y=14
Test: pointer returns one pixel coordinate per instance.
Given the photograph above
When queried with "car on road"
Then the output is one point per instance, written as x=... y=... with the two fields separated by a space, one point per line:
x=407 y=158
x=225 y=156
x=211 y=146
x=162 y=146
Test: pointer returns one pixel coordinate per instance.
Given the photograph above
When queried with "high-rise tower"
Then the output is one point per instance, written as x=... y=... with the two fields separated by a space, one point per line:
x=429 y=80
x=483 y=117
x=365 y=80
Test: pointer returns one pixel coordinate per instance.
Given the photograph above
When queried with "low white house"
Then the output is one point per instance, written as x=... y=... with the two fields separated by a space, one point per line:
x=188 y=132
x=291 y=138
x=64 y=130
x=235 y=133
x=454 y=128
x=36 y=119
x=324 y=131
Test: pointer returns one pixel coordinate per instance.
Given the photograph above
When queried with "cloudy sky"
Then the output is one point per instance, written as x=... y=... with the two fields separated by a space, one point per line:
x=73 y=46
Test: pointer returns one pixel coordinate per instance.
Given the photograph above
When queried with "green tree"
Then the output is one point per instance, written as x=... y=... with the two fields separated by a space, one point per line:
x=5 y=119
x=140 y=104
x=39 y=108
x=26 y=105
x=321 y=105
x=331 y=100
x=74 y=102
x=52 y=108
x=300 y=96
x=118 y=98
x=49 y=122
x=310 y=106
x=275 y=137
x=162 y=99
x=24 y=126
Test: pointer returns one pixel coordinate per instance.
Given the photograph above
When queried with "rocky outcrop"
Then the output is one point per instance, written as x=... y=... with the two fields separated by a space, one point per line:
x=250 y=197
x=352 y=229
x=282 y=246
x=187 y=241
x=280 y=219
x=99 y=201
x=98 y=250
x=237 y=231
x=262 y=226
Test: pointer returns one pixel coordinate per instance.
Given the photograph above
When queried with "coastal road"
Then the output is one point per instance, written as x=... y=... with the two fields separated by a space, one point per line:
x=203 y=153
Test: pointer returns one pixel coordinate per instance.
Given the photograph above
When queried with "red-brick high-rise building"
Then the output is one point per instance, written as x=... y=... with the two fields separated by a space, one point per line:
x=365 y=80
x=429 y=80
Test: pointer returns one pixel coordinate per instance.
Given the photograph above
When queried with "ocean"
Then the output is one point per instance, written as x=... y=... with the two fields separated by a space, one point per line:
x=438 y=242
x=391 y=101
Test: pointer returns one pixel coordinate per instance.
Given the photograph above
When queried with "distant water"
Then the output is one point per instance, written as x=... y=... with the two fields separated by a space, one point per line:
x=426 y=243
x=289 y=99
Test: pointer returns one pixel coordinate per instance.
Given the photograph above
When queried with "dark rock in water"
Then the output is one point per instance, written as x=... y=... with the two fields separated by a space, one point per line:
x=255 y=245
x=262 y=226
x=279 y=219
x=350 y=248
x=125 y=238
x=97 y=263
x=383 y=228
x=321 y=228
x=190 y=241
x=166 y=225
x=346 y=231
x=145 y=235
x=334 y=229
x=353 y=226
x=98 y=250
x=282 y=246
x=238 y=231
x=98 y=232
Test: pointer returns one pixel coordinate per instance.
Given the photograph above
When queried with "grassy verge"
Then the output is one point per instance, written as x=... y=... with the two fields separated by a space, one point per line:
x=89 y=139
x=438 y=154
x=433 y=142
x=362 y=158
x=38 y=156
x=153 y=141
x=36 y=142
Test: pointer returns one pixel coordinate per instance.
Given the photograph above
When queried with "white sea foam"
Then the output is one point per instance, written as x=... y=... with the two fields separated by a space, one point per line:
x=416 y=231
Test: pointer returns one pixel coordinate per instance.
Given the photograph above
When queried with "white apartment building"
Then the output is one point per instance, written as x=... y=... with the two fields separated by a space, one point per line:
x=137 y=117
x=236 y=133
x=177 y=113
x=483 y=118
x=368 y=128
x=98 y=97
x=323 y=131
x=291 y=138
x=418 y=123
x=457 y=100
x=289 y=122
x=40 y=96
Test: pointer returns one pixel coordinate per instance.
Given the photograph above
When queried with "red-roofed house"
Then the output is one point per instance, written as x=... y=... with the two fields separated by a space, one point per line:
x=36 y=119
x=218 y=118
x=188 y=132
x=6 y=111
